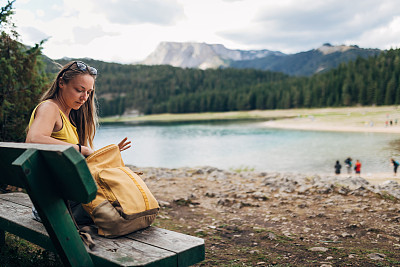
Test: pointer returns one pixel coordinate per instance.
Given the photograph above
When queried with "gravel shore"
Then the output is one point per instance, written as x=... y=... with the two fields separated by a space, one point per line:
x=263 y=219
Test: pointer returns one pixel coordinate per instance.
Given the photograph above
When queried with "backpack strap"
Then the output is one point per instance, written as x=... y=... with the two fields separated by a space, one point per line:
x=85 y=236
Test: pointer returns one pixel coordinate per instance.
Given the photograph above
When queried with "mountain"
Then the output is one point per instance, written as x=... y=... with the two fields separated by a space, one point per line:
x=310 y=62
x=203 y=56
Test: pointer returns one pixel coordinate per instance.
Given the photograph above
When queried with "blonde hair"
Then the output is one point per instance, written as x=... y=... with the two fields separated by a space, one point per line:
x=84 y=118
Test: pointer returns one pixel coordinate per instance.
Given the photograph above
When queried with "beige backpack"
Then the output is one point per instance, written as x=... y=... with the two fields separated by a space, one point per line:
x=123 y=203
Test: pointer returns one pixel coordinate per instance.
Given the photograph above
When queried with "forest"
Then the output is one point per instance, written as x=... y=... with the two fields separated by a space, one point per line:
x=166 y=89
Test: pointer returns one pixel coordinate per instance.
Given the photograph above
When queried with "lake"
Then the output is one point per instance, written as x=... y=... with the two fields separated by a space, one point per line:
x=249 y=145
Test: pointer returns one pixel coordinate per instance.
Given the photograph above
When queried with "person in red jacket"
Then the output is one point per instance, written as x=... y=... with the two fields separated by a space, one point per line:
x=357 y=167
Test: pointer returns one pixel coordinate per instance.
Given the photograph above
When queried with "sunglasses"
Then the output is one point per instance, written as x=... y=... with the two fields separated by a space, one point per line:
x=81 y=66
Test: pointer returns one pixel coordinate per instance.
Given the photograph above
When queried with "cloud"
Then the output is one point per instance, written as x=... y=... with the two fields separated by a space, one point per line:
x=162 y=12
x=301 y=24
x=33 y=35
x=86 y=35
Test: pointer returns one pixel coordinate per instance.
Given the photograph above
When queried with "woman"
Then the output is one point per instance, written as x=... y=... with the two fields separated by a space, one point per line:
x=67 y=115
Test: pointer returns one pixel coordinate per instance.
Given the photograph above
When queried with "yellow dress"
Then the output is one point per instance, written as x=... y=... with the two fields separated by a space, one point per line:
x=68 y=131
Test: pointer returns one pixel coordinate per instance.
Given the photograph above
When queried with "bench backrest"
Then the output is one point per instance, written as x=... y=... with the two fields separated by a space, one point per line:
x=63 y=166
x=51 y=174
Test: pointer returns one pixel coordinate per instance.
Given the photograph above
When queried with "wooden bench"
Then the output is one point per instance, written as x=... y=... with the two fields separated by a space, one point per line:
x=50 y=175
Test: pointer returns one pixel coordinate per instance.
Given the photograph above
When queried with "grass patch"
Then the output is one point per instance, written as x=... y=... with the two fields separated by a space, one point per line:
x=242 y=169
x=19 y=252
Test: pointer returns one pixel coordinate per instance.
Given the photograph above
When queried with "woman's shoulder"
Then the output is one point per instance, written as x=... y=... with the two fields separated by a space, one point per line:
x=47 y=107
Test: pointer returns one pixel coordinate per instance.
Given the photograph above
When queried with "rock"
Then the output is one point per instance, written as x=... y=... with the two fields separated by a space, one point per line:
x=259 y=196
x=238 y=205
x=376 y=256
x=270 y=236
x=226 y=202
x=210 y=194
x=318 y=249
x=346 y=235
x=164 y=203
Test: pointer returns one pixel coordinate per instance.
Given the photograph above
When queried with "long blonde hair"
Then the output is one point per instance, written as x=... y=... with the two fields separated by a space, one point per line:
x=84 y=118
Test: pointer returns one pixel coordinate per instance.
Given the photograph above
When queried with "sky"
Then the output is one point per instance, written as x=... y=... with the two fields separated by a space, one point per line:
x=127 y=31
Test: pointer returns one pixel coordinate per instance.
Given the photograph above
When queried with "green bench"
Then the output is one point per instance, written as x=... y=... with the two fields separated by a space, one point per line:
x=51 y=174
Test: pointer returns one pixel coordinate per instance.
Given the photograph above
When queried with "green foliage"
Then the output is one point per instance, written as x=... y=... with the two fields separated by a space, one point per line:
x=19 y=252
x=21 y=80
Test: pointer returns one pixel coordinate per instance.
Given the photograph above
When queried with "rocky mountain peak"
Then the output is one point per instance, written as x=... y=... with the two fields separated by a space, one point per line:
x=327 y=48
x=200 y=55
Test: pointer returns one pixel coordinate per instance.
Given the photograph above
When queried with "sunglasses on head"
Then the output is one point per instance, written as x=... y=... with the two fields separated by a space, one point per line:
x=82 y=67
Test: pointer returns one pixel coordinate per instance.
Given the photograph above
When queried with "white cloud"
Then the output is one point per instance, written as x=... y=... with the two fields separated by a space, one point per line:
x=162 y=12
x=128 y=31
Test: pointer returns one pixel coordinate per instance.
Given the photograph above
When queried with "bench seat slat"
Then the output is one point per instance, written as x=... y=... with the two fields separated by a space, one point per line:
x=19 y=198
x=108 y=252
x=189 y=249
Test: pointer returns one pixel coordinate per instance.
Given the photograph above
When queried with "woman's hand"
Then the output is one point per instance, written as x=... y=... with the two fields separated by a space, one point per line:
x=86 y=151
x=124 y=144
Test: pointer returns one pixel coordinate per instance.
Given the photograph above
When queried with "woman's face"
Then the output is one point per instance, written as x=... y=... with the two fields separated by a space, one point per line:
x=76 y=91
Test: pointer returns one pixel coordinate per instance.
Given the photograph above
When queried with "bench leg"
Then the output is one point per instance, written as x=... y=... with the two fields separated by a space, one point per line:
x=2 y=238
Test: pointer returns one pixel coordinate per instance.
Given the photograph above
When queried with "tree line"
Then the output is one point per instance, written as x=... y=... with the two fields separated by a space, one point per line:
x=167 y=89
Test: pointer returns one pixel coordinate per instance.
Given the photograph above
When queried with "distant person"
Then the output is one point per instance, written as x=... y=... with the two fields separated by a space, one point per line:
x=348 y=162
x=337 y=167
x=395 y=164
x=357 y=167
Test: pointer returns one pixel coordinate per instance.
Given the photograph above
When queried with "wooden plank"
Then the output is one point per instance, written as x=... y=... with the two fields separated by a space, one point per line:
x=128 y=252
x=190 y=249
x=51 y=209
x=25 y=146
x=18 y=220
x=107 y=252
x=17 y=197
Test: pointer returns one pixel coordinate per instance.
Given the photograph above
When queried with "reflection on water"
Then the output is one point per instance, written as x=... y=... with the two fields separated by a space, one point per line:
x=234 y=145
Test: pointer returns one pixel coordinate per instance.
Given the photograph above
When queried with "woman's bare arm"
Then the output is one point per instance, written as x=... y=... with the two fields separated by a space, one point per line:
x=47 y=119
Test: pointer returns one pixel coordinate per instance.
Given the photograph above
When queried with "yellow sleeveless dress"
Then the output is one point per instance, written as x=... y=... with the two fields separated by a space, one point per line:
x=68 y=131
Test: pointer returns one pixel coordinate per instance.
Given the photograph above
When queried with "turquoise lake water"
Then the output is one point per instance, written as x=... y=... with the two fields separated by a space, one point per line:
x=249 y=145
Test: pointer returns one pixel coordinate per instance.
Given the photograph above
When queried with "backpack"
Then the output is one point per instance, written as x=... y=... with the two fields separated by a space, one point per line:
x=123 y=203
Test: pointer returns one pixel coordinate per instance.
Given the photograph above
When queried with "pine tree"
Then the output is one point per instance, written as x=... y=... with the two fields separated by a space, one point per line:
x=21 y=79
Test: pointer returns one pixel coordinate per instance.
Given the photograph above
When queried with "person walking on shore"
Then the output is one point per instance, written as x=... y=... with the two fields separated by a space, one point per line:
x=357 y=167
x=395 y=166
x=337 y=167
x=348 y=164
